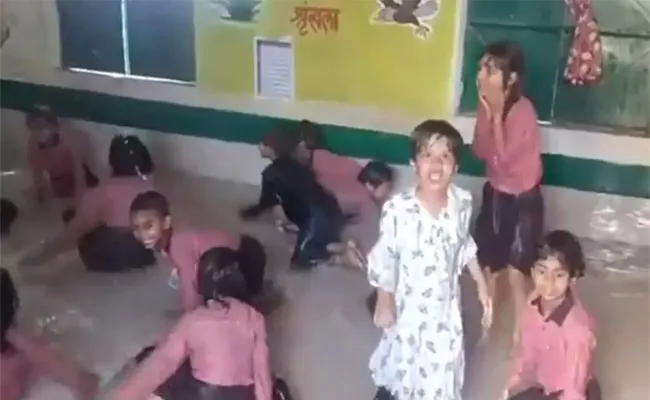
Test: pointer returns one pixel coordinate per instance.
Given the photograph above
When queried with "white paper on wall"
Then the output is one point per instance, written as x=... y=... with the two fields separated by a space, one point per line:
x=274 y=75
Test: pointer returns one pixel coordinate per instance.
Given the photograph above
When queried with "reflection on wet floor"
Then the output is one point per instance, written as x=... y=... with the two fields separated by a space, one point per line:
x=322 y=336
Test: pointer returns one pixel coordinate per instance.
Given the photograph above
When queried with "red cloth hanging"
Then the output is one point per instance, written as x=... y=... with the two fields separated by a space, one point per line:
x=585 y=62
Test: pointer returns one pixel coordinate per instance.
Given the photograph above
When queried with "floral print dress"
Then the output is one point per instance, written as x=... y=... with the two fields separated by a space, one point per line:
x=419 y=258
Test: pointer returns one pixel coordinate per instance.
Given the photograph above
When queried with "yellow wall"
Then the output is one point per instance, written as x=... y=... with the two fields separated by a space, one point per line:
x=365 y=63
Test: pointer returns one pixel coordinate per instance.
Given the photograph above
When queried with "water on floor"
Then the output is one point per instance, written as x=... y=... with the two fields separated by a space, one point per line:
x=322 y=336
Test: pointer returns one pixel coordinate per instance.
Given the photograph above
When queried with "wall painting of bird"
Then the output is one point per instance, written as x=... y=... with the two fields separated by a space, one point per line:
x=413 y=13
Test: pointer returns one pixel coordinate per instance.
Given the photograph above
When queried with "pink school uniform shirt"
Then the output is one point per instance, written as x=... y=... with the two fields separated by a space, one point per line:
x=556 y=350
x=226 y=346
x=337 y=174
x=59 y=163
x=518 y=167
x=31 y=358
x=185 y=247
x=109 y=203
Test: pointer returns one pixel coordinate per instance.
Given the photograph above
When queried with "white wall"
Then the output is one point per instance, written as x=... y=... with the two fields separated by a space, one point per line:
x=32 y=54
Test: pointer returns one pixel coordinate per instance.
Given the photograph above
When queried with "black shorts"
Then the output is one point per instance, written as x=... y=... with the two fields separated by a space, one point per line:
x=107 y=249
x=8 y=214
x=593 y=393
x=508 y=228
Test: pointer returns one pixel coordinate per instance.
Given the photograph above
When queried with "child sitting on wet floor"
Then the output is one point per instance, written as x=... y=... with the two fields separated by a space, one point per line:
x=554 y=359
x=152 y=226
x=100 y=225
x=55 y=159
x=25 y=358
x=217 y=351
x=305 y=203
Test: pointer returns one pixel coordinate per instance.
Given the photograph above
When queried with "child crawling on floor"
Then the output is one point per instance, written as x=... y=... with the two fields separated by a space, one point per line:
x=217 y=351
x=554 y=360
x=362 y=230
x=25 y=358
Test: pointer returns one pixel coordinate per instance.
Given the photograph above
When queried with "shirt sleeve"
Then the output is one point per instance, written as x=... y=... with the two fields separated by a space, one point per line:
x=383 y=259
x=521 y=138
x=185 y=261
x=47 y=362
x=261 y=363
x=523 y=366
x=579 y=351
x=468 y=248
x=156 y=368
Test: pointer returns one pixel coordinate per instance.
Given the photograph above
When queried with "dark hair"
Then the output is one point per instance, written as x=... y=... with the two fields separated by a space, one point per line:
x=128 y=156
x=42 y=114
x=376 y=173
x=219 y=277
x=8 y=306
x=150 y=201
x=282 y=143
x=508 y=57
x=566 y=248
x=311 y=134
x=8 y=214
x=425 y=131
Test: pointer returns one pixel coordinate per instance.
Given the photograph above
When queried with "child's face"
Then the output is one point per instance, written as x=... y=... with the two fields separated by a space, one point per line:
x=41 y=130
x=266 y=151
x=381 y=193
x=149 y=227
x=435 y=165
x=551 y=279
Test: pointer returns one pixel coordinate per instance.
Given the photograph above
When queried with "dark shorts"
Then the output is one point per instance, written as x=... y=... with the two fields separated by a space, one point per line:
x=593 y=393
x=252 y=262
x=107 y=249
x=314 y=235
x=508 y=229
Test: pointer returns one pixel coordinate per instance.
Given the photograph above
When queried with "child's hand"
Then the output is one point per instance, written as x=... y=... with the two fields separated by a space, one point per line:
x=486 y=320
x=384 y=312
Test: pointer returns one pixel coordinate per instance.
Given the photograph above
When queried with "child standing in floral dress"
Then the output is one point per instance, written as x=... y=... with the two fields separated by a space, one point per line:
x=424 y=244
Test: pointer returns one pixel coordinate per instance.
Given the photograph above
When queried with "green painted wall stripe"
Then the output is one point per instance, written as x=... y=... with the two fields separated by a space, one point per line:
x=563 y=171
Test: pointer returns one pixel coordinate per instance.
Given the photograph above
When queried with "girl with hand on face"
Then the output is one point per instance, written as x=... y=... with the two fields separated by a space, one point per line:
x=507 y=139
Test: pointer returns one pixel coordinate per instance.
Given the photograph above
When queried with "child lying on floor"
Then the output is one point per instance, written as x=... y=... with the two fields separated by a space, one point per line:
x=375 y=185
x=557 y=342
x=25 y=358
x=217 y=351
x=152 y=226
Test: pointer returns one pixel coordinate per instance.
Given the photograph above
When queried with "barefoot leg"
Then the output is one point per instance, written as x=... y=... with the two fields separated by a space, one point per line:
x=517 y=281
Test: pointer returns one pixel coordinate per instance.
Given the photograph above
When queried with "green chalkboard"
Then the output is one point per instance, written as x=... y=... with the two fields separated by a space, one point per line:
x=161 y=38
x=545 y=31
x=91 y=34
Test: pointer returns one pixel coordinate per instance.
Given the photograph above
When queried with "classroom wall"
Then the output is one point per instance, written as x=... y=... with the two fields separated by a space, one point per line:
x=378 y=81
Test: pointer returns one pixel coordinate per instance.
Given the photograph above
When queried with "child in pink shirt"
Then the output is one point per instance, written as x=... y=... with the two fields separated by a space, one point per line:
x=24 y=358
x=217 y=351
x=152 y=226
x=507 y=139
x=101 y=223
x=554 y=361
x=362 y=231
x=337 y=174
x=56 y=163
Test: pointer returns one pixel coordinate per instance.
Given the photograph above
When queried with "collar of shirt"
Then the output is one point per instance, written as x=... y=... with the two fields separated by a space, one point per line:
x=559 y=315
